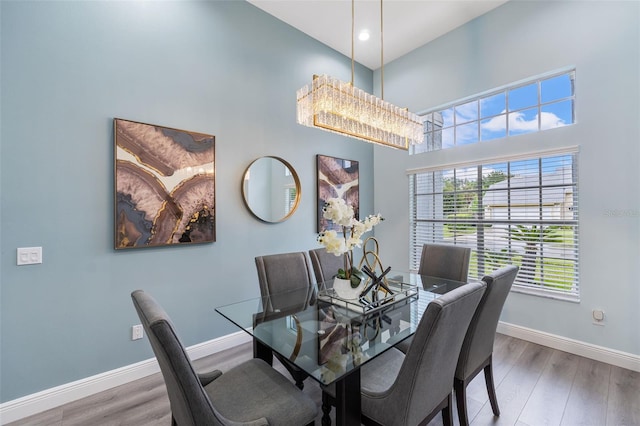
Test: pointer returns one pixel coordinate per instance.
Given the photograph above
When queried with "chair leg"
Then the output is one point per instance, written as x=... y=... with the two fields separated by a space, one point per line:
x=447 y=412
x=460 y=388
x=491 y=389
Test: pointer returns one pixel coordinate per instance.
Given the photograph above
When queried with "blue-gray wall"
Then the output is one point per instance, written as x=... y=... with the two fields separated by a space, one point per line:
x=69 y=68
x=519 y=40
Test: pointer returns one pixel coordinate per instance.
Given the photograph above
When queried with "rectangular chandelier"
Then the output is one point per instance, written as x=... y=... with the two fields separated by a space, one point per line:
x=336 y=106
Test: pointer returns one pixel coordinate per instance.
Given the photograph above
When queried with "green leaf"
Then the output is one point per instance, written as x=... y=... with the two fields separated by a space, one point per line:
x=357 y=272
x=355 y=281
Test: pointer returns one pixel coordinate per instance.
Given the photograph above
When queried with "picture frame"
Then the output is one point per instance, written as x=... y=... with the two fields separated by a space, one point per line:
x=336 y=178
x=164 y=184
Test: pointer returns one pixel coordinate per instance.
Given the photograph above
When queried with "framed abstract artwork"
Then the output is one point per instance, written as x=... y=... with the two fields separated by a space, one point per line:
x=337 y=178
x=164 y=186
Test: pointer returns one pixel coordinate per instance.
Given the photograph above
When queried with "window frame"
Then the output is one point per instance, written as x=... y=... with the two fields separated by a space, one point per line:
x=570 y=265
x=436 y=124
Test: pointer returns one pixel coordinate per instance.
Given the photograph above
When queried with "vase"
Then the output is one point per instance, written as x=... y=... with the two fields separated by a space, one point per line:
x=344 y=290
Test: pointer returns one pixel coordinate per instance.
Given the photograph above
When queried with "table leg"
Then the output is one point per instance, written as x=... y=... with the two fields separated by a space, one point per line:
x=262 y=351
x=348 y=400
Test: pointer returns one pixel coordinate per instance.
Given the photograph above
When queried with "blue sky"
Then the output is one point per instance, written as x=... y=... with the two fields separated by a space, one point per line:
x=543 y=104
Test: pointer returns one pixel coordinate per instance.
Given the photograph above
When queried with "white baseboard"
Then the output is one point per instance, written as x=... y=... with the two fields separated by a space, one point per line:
x=50 y=398
x=576 y=347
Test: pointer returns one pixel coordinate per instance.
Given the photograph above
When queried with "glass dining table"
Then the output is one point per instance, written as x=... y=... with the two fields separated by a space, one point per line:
x=330 y=338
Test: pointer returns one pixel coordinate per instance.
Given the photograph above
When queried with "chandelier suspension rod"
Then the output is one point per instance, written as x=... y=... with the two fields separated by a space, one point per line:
x=381 y=55
x=353 y=14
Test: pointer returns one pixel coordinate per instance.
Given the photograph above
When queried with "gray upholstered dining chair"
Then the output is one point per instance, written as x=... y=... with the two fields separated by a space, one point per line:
x=280 y=273
x=446 y=261
x=325 y=265
x=411 y=389
x=250 y=394
x=477 y=349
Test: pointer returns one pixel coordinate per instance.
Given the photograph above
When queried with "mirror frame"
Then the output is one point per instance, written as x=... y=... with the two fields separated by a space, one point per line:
x=296 y=181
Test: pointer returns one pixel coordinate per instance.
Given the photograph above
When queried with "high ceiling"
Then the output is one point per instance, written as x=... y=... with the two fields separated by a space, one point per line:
x=407 y=24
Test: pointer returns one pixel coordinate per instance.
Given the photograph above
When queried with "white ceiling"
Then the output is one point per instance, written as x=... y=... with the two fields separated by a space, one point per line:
x=407 y=24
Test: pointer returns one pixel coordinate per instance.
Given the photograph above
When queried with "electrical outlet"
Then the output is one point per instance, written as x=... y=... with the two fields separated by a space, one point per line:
x=598 y=317
x=137 y=332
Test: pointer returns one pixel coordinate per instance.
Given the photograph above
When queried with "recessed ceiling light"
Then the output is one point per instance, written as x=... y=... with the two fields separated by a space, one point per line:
x=364 y=35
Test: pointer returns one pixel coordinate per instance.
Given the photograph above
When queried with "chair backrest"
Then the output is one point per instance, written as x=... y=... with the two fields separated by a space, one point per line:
x=426 y=376
x=284 y=272
x=478 y=342
x=447 y=261
x=325 y=264
x=190 y=404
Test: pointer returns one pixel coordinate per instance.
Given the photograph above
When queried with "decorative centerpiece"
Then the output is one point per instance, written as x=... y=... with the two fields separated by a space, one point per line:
x=348 y=282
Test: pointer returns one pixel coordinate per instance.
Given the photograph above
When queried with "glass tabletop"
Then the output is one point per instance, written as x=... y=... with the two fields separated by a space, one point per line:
x=328 y=337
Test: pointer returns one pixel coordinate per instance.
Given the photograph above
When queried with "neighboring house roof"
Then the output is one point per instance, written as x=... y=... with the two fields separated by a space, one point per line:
x=528 y=194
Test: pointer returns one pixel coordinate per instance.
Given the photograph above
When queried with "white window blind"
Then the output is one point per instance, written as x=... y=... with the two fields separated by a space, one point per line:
x=514 y=211
x=290 y=194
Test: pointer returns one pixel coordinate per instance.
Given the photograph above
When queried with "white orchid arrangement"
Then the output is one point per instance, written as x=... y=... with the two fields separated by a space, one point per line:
x=339 y=212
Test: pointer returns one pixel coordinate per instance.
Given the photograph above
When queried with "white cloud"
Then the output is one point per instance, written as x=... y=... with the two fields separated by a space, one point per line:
x=551 y=121
x=496 y=124
x=518 y=122
x=467 y=112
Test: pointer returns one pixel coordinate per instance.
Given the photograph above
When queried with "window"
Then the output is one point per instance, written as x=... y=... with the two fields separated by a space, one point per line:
x=532 y=106
x=290 y=195
x=522 y=211
x=290 y=192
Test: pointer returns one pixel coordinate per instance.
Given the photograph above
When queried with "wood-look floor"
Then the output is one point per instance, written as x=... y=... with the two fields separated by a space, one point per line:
x=535 y=385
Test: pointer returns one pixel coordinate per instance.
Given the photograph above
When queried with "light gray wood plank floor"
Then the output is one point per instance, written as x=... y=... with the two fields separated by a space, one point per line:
x=535 y=386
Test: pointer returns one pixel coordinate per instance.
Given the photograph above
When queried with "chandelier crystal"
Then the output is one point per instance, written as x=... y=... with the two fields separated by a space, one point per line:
x=333 y=105
x=340 y=107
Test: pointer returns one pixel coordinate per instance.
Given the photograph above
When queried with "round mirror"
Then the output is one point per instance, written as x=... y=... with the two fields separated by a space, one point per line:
x=271 y=189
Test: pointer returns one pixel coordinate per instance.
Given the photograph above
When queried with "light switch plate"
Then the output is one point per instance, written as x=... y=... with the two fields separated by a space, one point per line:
x=29 y=255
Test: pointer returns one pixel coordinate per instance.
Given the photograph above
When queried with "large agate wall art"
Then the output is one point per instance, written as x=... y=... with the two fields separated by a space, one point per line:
x=337 y=178
x=165 y=186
